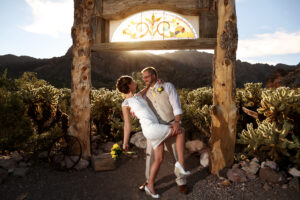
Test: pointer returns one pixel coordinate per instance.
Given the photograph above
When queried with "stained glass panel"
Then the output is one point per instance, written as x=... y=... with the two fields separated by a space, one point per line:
x=154 y=25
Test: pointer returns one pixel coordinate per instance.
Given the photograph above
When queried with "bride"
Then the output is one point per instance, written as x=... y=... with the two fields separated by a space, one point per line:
x=152 y=130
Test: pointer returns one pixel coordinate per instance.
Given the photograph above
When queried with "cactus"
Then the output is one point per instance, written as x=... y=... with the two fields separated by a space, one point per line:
x=249 y=96
x=278 y=105
x=196 y=106
x=268 y=141
x=107 y=115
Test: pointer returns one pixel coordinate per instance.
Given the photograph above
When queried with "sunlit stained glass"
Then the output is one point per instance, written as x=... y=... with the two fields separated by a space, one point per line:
x=154 y=25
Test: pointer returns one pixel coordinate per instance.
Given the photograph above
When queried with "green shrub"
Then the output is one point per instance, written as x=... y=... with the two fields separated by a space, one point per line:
x=16 y=126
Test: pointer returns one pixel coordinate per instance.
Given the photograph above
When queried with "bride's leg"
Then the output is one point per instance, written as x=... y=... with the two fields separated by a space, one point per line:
x=158 y=158
x=180 y=139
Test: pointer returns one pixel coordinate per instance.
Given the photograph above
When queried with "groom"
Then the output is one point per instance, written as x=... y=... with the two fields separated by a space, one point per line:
x=164 y=101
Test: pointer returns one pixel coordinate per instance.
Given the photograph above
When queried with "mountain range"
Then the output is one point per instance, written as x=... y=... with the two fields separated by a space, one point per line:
x=186 y=69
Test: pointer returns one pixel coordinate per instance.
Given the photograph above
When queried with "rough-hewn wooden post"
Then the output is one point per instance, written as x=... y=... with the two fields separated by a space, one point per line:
x=81 y=74
x=224 y=112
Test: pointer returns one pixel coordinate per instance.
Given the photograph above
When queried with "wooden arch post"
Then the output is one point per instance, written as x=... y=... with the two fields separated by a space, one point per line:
x=224 y=112
x=81 y=74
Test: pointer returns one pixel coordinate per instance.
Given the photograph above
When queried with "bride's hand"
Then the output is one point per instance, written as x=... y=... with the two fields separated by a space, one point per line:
x=161 y=81
x=125 y=147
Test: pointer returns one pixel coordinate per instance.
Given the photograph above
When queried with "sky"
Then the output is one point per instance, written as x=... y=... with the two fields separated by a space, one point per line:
x=268 y=29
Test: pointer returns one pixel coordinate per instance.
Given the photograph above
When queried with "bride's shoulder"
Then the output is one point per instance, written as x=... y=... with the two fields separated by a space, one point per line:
x=125 y=102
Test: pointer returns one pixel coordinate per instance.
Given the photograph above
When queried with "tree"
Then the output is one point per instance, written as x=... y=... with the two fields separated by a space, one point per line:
x=81 y=74
x=224 y=111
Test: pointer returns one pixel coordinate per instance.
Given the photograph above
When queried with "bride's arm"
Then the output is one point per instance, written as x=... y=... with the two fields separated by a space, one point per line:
x=127 y=126
x=143 y=91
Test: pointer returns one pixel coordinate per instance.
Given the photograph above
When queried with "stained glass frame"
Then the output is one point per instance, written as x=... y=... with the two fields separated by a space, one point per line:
x=153 y=25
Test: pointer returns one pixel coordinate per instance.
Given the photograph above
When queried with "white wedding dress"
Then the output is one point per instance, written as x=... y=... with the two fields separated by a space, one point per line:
x=152 y=129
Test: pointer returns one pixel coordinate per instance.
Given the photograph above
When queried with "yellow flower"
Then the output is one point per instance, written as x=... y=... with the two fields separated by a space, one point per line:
x=114 y=156
x=116 y=146
x=113 y=153
x=160 y=89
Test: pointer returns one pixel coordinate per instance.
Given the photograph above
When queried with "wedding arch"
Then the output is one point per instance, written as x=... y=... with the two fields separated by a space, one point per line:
x=158 y=25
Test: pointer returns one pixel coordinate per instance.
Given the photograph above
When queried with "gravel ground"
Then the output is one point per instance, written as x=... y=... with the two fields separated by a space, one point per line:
x=122 y=183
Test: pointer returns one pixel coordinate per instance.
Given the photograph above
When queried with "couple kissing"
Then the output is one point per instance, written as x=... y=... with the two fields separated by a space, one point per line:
x=158 y=109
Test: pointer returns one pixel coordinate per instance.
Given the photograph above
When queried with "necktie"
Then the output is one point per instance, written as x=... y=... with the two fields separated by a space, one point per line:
x=153 y=92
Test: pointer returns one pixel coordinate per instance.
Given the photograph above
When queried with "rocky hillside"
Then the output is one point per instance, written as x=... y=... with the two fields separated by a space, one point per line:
x=186 y=69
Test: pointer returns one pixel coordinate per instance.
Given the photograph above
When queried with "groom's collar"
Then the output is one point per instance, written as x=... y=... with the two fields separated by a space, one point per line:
x=156 y=85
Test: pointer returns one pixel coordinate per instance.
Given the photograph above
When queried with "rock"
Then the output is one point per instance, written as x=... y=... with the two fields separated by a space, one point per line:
x=21 y=172
x=236 y=175
x=26 y=156
x=22 y=196
x=70 y=160
x=11 y=170
x=194 y=146
x=226 y=182
x=107 y=146
x=270 y=175
x=236 y=166
x=95 y=138
x=16 y=156
x=94 y=147
x=251 y=176
x=8 y=163
x=82 y=164
x=3 y=175
x=294 y=172
x=204 y=158
x=43 y=155
x=139 y=140
x=252 y=167
x=63 y=163
x=267 y=187
x=270 y=164
x=22 y=164
x=294 y=184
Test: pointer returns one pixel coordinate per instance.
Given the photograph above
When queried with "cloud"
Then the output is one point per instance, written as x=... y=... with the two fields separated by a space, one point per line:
x=278 y=43
x=51 y=17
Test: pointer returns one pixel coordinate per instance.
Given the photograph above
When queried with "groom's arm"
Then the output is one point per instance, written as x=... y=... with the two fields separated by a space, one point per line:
x=174 y=100
x=175 y=103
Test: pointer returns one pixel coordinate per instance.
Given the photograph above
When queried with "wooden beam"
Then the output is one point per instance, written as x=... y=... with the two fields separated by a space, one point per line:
x=114 y=10
x=204 y=43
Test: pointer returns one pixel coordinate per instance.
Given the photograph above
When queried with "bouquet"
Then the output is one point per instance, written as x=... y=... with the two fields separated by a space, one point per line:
x=116 y=151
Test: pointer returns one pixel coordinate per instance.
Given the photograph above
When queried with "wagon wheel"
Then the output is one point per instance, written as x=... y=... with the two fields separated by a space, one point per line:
x=64 y=153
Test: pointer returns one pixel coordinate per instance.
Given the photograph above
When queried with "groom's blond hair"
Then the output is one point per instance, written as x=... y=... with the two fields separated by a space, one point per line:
x=151 y=70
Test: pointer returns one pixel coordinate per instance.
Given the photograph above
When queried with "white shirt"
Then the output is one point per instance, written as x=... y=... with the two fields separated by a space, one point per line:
x=173 y=97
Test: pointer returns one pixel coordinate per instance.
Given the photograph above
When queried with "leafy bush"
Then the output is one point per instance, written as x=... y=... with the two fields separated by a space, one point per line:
x=16 y=127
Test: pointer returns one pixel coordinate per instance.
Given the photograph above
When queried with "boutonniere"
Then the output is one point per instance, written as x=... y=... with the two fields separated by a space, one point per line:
x=160 y=89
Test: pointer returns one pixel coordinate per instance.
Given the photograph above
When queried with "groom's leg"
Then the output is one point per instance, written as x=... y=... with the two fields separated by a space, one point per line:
x=171 y=146
x=149 y=159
